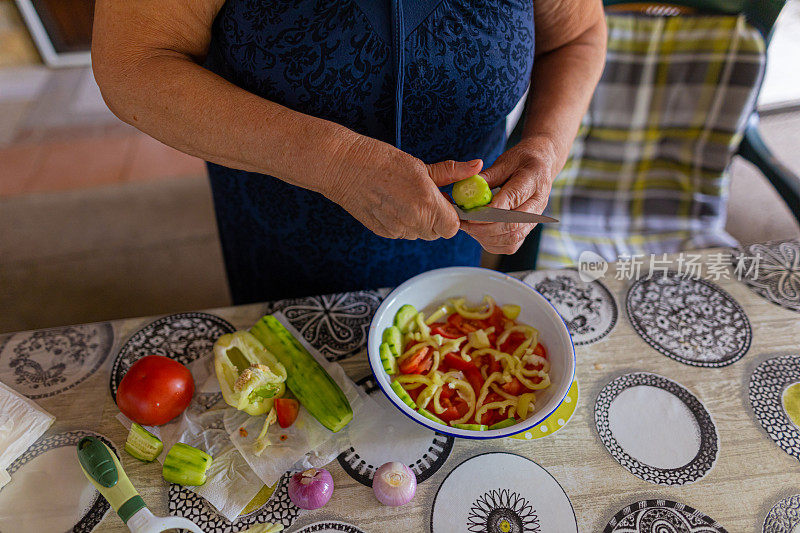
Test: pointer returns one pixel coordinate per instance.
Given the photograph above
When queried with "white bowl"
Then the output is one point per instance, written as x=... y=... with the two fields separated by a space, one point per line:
x=435 y=287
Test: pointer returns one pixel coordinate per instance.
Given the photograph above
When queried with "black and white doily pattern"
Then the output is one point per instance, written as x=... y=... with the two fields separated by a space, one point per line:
x=330 y=526
x=709 y=441
x=772 y=270
x=784 y=517
x=424 y=451
x=661 y=516
x=336 y=324
x=689 y=319
x=99 y=507
x=497 y=492
x=588 y=309
x=502 y=511
x=278 y=509
x=183 y=337
x=44 y=363
x=767 y=384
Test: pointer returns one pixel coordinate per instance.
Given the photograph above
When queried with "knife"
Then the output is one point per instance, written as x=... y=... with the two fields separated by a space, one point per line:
x=494 y=214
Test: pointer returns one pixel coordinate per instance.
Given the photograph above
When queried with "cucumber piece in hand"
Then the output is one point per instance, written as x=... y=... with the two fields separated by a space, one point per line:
x=472 y=192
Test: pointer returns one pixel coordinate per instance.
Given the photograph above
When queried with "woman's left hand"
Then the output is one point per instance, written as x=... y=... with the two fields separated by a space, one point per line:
x=526 y=174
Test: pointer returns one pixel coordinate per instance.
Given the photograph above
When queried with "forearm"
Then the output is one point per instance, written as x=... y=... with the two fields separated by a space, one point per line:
x=182 y=104
x=563 y=81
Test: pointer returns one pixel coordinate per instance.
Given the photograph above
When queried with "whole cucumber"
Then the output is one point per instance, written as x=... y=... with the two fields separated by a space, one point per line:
x=314 y=388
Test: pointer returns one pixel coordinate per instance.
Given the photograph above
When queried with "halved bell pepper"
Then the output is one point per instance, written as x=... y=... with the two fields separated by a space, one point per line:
x=249 y=375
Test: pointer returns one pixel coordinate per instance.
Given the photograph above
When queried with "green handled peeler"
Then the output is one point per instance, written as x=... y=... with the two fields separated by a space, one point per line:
x=105 y=472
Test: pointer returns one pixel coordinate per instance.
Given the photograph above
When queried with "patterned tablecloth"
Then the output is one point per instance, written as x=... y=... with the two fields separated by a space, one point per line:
x=705 y=362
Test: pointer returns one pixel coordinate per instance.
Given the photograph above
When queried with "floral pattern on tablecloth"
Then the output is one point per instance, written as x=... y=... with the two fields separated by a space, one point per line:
x=771 y=270
x=278 y=509
x=688 y=319
x=47 y=362
x=661 y=516
x=769 y=380
x=588 y=309
x=336 y=324
x=784 y=517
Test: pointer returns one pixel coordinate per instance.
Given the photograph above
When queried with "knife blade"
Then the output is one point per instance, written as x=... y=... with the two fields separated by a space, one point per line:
x=494 y=214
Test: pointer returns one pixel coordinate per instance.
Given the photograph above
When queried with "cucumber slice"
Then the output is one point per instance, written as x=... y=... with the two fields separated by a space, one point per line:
x=388 y=359
x=473 y=427
x=142 y=444
x=403 y=395
x=394 y=339
x=504 y=423
x=430 y=416
x=404 y=319
x=186 y=465
x=511 y=311
x=472 y=192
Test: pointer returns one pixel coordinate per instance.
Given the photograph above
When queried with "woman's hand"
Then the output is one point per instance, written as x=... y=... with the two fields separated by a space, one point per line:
x=394 y=194
x=526 y=174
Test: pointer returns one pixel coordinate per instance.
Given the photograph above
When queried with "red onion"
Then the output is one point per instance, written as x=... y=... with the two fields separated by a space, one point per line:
x=394 y=484
x=311 y=489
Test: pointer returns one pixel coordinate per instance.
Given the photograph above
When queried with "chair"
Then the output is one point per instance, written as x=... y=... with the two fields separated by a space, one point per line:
x=648 y=170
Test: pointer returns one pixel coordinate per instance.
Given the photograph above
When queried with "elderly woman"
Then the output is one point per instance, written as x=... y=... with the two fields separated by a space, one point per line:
x=329 y=125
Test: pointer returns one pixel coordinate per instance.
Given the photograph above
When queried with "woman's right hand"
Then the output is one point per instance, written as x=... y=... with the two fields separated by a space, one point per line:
x=394 y=194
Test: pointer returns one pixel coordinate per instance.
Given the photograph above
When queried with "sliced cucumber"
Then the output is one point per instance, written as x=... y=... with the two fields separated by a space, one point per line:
x=388 y=359
x=504 y=423
x=472 y=192
x=142 y=444
x=511 y=311
x=394 y=339
x=473 y=427
x=403 y=395
x=430 y=416
x=404 y=319
x=186 y=465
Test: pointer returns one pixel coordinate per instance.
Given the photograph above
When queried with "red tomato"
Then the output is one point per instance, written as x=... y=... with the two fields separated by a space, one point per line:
x=446 y=331
x=417 y=363
x=540 y=351
x=497 y=319
x=155 y=390
x=512 y=343
x=286 y=409
x=514 y=387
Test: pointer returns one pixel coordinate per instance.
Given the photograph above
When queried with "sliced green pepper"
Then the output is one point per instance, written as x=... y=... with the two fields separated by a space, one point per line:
x=249 y=375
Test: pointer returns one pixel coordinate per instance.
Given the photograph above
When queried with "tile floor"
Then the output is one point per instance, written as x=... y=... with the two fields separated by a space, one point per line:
x=57 y=134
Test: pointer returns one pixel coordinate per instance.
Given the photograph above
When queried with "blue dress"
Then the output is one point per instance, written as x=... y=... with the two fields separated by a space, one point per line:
x=435 y=78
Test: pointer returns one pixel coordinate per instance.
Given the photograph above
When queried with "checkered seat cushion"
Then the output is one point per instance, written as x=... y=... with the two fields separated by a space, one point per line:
x=648 y=170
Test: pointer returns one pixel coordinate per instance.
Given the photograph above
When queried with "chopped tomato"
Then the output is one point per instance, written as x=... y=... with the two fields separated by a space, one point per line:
x=512 y=343
x=470 y=370
x=286 y=409
x=417 y=363
x=445 y=330
x=414 y=393
x=454 y=409
x=494 y=365
x=540 y=351
x=475 y=379
x=457 y=362
x=514 y=387
x=493 y=397
x=497 y=320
